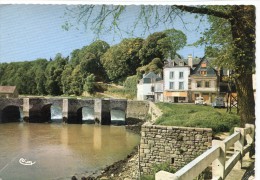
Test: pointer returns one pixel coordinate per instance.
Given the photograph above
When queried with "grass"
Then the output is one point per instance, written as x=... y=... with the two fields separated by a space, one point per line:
x=190 y=115
x=121 y=92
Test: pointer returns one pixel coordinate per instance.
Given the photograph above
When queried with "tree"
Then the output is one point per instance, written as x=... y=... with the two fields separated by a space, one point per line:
x=66 y=79
x=89 y=85
x=240 y=20
x=156 y=45
x=53 y=75
x=177 y=39
x=121 y=60
x=89 y=58
x=155 y=66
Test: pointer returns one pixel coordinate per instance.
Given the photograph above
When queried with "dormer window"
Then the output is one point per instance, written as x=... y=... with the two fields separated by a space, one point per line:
x=204 y=65
x=203 y=73
x=181 y=63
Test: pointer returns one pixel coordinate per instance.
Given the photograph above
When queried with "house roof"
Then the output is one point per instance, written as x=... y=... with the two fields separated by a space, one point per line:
x=7 y=89
x=175 y=62
x=151 y=75
x=210 y=70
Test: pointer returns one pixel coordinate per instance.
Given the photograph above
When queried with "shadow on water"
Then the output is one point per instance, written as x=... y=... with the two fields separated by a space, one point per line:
x=11 y=114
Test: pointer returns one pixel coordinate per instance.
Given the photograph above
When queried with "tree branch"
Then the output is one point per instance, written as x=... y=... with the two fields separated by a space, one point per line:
x=203 y=10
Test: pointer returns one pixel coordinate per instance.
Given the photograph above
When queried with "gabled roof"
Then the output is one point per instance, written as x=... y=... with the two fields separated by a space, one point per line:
x=210 y=70
x=151 y=75
x=175 y=62
x=7 y=89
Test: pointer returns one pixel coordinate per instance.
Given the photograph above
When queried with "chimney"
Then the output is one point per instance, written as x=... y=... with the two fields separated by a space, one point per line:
x=190 y=63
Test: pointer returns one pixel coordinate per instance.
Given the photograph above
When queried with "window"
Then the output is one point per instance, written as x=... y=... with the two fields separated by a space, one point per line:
x=207 y=84
x=181 y=63
x=204 y=64
x=171 y=75
x=198 y=84
x=181 y=75
x=152 y=88
x=203 y=72
x=171 y=85
x=181 y=85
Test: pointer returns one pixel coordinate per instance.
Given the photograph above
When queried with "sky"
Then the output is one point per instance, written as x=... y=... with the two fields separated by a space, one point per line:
x=28 y=32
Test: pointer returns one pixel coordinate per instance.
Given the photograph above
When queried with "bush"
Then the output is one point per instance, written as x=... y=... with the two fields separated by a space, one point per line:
x=159 y=167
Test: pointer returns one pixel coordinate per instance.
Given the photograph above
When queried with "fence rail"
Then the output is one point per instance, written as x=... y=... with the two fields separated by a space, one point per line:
x=242 y=140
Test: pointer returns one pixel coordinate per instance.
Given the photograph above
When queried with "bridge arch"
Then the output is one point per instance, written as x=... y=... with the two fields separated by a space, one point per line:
x=46 y=113
x=118 y=116
x=40 y=114
x=11 y=113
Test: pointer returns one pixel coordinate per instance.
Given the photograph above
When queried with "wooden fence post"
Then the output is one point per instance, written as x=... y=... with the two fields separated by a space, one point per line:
x=250 y=138
x=218 y=166
x=239 y=145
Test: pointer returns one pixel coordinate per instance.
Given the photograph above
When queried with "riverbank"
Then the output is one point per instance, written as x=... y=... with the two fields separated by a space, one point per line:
x=125 y=169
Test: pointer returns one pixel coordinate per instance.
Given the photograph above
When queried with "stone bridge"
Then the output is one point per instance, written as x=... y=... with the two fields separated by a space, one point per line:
x=39 y=109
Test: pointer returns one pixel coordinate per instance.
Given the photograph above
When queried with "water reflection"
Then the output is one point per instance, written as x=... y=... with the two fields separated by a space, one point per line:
x=60 y=150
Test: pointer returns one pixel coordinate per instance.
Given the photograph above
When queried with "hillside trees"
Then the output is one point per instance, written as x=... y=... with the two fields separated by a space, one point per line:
x=121 y=60
x=53 y=74
x=89 y=57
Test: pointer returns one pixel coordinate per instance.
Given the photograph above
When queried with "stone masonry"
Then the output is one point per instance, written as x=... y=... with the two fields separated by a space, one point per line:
x=174 y=145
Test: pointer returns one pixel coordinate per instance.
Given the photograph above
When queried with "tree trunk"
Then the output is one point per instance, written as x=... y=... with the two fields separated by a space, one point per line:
x=246 y=103
x=243 y=33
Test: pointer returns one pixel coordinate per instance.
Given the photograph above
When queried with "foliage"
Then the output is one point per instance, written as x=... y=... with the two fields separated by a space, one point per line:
x=156 y=45
x=166 y=166
x=121 y=60
x=89 y=58
x=29 y=77
x=89 y=85
x=130 y=84
x=53 y=74
x=177 y=39
x=155 y=66
x=197 y=116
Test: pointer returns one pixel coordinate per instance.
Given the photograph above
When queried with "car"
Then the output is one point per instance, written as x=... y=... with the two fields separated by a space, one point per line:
x=218 y=103
x=200 y=101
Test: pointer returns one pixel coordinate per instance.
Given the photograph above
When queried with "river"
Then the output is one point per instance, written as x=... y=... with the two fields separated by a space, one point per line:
x=59 y=151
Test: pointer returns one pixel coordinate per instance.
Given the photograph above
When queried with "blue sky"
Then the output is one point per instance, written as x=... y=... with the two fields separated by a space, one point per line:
x=28 y=32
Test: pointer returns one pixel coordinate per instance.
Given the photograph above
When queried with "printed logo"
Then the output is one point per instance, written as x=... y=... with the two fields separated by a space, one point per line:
x=25 y=162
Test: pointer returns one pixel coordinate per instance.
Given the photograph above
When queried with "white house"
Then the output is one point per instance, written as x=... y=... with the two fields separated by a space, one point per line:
x=176 y=78
x=158 y=91
x=146 y=86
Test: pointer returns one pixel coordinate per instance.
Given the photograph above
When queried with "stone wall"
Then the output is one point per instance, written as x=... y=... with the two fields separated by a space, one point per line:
x=154 y=112
x=174 y=145
x=137 y=109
